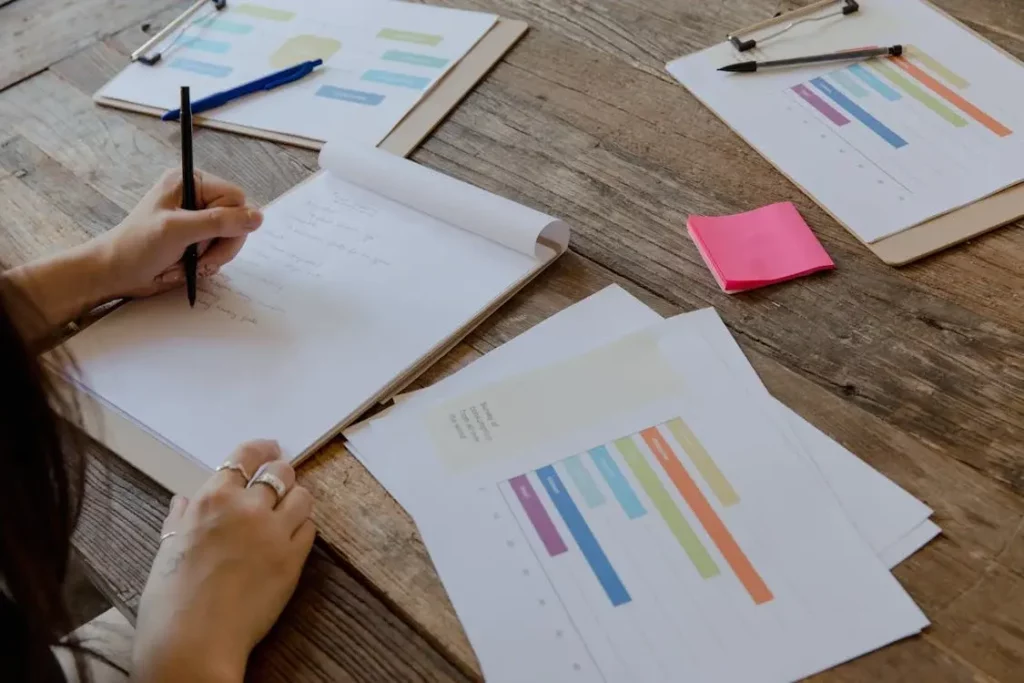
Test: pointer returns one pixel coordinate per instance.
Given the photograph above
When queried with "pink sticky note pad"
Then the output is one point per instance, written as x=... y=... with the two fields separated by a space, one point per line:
x=761 y=247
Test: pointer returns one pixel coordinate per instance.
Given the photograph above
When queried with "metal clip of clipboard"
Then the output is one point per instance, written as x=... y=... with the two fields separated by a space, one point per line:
x=141 y=54
x=791 y=20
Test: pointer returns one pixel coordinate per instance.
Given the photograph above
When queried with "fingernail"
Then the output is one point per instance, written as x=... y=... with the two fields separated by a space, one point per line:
x=253 y=218
x=171 y=276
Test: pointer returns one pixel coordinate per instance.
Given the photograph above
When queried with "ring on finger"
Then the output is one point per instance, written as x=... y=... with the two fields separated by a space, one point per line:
x=237 y=468
x=272 y=480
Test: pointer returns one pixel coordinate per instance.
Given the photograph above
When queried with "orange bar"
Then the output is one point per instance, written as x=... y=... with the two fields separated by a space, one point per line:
x=953 y=98
x=711 y=522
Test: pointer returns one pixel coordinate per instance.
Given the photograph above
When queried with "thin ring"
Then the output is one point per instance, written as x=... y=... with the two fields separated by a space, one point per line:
x=271 y=480
x=237 y=468
x=164 y=537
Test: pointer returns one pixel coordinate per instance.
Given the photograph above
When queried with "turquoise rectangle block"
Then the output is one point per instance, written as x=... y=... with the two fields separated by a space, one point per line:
x=204 y=68
x=584 y=482
x=392 y=78
x=371 y=99
x=217 y=47
x=617 y=482
x=847 y=81
x=226 y=26
x=415 y=58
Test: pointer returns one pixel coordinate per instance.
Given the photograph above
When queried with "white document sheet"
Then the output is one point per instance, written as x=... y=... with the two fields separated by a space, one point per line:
x=582 y=535
x=380 y=59
x=883 y=512
x=339 y=295
x=882 y=145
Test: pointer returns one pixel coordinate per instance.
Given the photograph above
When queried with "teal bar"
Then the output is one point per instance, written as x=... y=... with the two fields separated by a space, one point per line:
x=217 y=47
x=392 y=78
x=874 y=83
x=850 y=84
x=226 y=25
x=584 y=482
x=415 y=58
x=621 y=489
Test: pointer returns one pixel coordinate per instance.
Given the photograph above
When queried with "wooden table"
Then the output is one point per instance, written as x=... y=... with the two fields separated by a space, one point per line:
x=920 y=371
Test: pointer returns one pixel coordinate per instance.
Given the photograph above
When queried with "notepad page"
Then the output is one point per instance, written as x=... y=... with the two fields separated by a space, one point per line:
x=337 y=294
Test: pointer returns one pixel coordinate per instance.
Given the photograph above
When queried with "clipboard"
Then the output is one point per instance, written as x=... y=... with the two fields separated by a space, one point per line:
x=935 y=234
x=417 y=124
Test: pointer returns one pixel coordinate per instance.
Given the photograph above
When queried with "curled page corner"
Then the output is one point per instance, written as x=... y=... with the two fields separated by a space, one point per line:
x=455 y=202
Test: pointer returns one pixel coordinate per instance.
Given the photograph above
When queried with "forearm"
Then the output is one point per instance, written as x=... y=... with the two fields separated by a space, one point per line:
x=63 y=286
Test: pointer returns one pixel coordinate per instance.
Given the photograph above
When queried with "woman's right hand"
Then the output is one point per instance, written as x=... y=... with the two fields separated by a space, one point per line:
x=221 y=580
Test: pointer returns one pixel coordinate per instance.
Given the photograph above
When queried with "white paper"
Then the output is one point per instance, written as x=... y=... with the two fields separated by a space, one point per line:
x=380 y=59
x=535 y=614
x=336 y=296
x=446 y=199
x=882 y=512
x=910 y=544
x=916 y=155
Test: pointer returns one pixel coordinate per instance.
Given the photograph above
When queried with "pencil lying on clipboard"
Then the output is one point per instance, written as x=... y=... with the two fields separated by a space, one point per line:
x=843 y=56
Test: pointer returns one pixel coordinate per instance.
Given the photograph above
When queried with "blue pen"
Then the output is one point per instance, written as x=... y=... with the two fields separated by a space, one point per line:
x=269 y=82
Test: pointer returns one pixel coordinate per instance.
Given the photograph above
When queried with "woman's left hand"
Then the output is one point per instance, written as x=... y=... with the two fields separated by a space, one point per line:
x=142 y=255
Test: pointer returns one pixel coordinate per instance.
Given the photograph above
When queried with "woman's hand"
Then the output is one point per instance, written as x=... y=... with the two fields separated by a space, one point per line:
x=143 y=253
x=221 y=580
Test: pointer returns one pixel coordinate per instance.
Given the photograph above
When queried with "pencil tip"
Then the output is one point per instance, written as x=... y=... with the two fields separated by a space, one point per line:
x=740 y=67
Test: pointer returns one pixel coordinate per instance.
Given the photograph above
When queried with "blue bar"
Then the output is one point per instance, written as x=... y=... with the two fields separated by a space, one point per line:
x=204 y=68
x=592 y=496
x=844 y=80
x=584 y=538
x=345 y=95
x=392 y=78
x=875 y=83
x=844 y=102
x=623 y=492
x=415 y=58
x=217 y=47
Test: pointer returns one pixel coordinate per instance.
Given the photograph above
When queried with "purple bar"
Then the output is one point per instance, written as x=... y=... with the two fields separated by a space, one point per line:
x=538 y=515
x=821 y=105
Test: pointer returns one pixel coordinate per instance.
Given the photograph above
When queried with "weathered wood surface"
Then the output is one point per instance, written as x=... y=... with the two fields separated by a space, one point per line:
x=920 y=371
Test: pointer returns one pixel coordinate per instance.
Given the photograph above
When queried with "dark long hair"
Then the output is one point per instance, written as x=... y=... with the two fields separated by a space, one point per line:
x=42 y=472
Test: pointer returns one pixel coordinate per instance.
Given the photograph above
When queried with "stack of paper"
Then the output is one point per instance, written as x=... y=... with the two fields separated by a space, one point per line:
x=626 y=502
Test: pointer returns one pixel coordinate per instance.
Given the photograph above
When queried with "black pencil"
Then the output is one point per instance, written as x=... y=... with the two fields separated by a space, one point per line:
x=190 y=260
x=846 y=55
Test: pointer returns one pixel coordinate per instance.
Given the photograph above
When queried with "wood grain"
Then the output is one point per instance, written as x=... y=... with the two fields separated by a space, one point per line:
x=920 y=371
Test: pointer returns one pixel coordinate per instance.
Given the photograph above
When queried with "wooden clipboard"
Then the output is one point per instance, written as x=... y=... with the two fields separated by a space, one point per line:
x=418 y=124
x=936 y=234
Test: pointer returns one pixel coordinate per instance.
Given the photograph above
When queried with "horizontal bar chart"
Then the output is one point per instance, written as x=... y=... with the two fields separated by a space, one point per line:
x=953 y=98
x=875 y=83
x=666 y=507
x=583 y=536
x=854 y=110
x=620 y=488
x=829 y=112
x=916 y=92
x=702 y=460
x=537 y=515
x=709 y=519
x=345 y=95
x=585 y=483
x=203 y=68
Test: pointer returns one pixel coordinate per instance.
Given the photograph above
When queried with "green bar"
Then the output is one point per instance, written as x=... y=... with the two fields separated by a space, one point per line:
x=911 y=88
x=592 y=496
x=953 y=79
x=677 y=524
x=852 y=86
x=263 y=12
x=721 y=487
x=409 y=36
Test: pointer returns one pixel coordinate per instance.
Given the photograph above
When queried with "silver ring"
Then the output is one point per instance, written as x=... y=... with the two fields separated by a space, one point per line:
x=237 y=468
x=164 y=537
x=271 y=480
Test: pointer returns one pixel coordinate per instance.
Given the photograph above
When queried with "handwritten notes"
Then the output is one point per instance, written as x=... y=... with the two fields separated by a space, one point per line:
x=761 y=247
x=340 y=292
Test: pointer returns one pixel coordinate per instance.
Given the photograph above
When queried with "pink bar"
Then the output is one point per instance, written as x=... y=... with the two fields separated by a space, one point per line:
x=538 y=515
x=821 y=105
